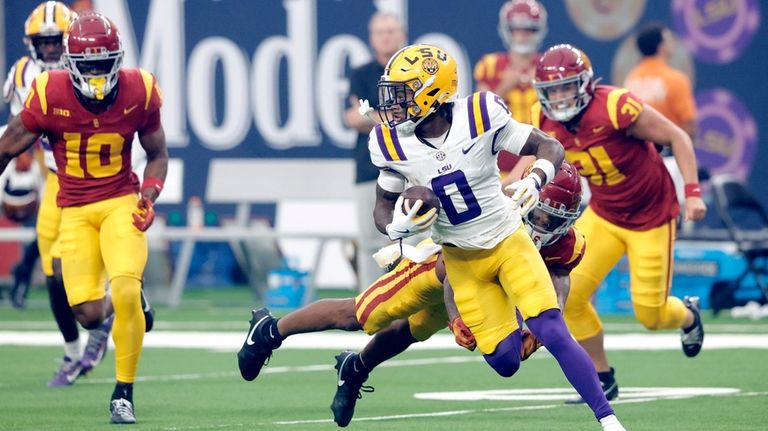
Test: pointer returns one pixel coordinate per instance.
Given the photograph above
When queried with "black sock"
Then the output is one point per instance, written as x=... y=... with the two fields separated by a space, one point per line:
x=62 y=312
x=606 y=377
x=123 y=390
x=31 y=253
x=272 y=334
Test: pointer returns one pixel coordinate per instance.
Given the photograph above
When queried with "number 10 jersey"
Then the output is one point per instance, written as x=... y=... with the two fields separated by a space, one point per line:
x=92 y=151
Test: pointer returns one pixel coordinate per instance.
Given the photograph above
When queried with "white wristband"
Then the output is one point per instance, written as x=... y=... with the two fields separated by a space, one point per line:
x=548 y=168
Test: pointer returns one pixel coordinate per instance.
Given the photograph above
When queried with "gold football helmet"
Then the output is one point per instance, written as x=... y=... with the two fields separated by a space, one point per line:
x=416 y=81
x=47 y=25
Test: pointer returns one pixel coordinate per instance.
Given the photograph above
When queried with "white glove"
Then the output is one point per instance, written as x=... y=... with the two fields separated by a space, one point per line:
x=406 y=224
x=525 y=193
x=365 y=108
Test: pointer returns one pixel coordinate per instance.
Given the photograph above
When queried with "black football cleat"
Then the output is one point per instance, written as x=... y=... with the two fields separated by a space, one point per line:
x=258 y=345
x=121 y=411
x=609 y=385
x=692 y=338
x=349 y=387
x=149 y=312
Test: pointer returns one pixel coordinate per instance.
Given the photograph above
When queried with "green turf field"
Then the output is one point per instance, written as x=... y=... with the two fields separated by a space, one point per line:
x=200 y=388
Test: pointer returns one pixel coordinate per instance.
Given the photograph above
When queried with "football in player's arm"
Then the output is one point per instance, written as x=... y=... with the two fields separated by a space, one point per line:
x=429 y=137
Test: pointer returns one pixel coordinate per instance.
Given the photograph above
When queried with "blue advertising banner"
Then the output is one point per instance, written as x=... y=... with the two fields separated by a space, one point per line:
x=249 y=82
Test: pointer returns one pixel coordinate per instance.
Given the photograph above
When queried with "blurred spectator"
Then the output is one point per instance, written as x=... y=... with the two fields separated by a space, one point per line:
x=522 y=27
x=386 y=35
x=666 y=89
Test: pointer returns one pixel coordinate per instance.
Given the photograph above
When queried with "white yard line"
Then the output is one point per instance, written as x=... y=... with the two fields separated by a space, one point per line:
x=238 y=325
x=497 y=410
x=336 y=340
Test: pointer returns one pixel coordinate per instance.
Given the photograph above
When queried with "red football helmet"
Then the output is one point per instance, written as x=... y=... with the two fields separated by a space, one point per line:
x=93 y=53
x=527 y=15
x=564 y=82
x=558 y=206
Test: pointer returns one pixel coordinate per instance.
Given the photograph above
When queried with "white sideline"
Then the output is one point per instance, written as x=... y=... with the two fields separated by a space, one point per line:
x=231 y=341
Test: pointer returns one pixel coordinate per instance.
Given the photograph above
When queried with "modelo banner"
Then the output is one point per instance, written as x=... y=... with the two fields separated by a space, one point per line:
x=253 y=89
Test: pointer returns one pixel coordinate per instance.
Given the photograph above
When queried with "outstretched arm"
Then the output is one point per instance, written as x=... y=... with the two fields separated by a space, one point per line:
x=654 y=127
x=15 y=140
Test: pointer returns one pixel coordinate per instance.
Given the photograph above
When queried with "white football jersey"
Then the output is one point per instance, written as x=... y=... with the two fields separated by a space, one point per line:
x=462 y=171
x=15 y=91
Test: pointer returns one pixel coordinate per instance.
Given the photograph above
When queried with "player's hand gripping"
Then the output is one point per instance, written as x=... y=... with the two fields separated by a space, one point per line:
x=463 y=335
x=405 y=224
x=524 y=193
x=146 y=214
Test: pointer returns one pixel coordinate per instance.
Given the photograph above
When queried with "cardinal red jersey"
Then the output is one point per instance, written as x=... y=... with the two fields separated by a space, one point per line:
x=566 y=252
x=489 y=71
x=93 y=151
x=630 y=186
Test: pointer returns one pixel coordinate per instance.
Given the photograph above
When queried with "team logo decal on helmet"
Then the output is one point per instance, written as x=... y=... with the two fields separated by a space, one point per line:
x=430 y=66
x=416 y=81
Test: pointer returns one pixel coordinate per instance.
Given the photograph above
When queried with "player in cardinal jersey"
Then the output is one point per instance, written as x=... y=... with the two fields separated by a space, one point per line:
x=609 y=136
x=522 y=27
x=408 y=305
x=90 y=113
x=429 y=138
x=44 y=32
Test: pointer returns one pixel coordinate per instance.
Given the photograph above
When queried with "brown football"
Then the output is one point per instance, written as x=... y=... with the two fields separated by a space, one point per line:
x=427 y=196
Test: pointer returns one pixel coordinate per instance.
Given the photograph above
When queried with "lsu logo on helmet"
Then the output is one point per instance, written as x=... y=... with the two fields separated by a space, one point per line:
x=416 y=81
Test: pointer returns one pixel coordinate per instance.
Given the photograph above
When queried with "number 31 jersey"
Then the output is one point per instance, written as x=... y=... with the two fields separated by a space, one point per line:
x=93 y=151
x=462 y=171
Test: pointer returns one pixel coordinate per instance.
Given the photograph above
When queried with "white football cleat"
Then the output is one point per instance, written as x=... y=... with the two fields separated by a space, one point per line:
x=611 y=423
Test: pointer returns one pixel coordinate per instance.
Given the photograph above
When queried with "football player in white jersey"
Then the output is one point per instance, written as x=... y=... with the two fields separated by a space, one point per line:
x=43 y=34
x=428 y=137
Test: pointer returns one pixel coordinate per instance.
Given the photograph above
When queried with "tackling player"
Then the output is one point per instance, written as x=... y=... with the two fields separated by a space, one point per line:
x=407 y=305
x=90 y=113
x=608 y=135
x=44 y=31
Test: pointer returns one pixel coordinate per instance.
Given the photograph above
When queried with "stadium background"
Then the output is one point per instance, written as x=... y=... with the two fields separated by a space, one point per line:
x=248 y=83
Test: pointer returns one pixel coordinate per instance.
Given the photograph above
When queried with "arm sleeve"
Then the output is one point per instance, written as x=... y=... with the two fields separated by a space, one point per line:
x=391 y=181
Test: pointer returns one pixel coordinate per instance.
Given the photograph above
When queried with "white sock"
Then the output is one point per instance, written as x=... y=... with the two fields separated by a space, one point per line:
x=72 y=350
